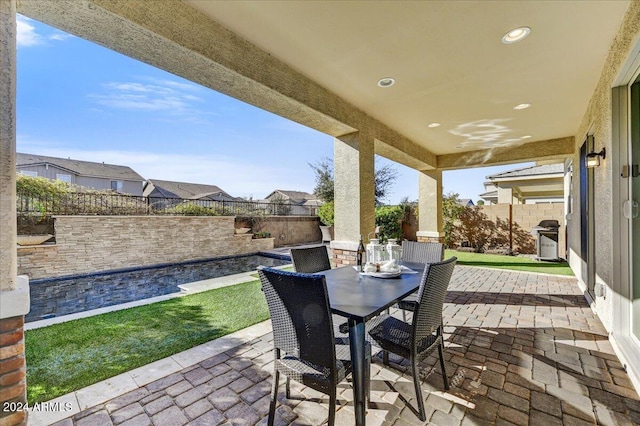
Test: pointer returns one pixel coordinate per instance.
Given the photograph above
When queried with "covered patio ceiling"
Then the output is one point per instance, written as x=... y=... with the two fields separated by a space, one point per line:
x=318 y=63
x=449 y=64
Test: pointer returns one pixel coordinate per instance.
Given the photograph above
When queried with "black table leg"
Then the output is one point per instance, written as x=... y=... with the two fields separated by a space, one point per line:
x=356 y=344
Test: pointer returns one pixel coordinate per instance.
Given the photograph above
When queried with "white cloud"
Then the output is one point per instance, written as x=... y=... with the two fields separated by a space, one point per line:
x=162 y=96
x=26 y=33
x=59 y=36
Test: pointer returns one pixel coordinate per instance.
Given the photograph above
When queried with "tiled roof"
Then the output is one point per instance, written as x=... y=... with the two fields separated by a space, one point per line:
x=81 y=168
x=545 y=169
x=299 y=196
x=186 y=190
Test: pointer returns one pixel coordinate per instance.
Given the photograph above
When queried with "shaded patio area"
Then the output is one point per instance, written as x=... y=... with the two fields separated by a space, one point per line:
x=522 y=348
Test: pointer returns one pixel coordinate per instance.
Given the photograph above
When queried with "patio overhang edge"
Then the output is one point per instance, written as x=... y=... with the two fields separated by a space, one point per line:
x=551 y=149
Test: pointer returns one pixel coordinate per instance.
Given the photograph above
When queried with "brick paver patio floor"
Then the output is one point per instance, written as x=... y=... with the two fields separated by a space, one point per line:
x=522 y=348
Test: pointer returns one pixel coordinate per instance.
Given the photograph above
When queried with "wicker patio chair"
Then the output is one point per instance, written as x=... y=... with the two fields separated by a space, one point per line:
x=304 y=344
x=417 y=340
x=419 y=253
x=311 y=259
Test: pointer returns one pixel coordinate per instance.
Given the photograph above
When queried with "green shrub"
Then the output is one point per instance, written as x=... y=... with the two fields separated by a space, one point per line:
x=191 y=209
x=326 y=213
x=389 y=219
x=39 y=187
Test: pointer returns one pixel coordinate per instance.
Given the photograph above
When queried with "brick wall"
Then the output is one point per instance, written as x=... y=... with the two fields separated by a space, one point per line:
x=344 y=257
x=13 y=380
x=98 y=243
x=526 y=216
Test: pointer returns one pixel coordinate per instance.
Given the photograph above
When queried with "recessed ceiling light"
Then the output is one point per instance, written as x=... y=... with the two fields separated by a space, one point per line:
x=432 y=125
x=521 y=106
x=386 y=82
x=516 y=35
x=525 y=137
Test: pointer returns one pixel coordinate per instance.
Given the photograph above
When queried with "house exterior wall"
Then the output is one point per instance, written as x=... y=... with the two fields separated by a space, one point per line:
x=51 y=172
x=99 y=243
x=597 y=121
x=128 y=186
x=47 y=171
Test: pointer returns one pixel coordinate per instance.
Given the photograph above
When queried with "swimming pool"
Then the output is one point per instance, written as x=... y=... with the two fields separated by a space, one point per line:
x=53 y=297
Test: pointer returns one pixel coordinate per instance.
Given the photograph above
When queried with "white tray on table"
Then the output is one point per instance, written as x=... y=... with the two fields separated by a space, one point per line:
x=394 y=274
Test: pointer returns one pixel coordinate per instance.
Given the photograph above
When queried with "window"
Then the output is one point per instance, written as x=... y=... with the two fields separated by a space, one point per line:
x=64 y=178
x=116 y=185
x=28 y=173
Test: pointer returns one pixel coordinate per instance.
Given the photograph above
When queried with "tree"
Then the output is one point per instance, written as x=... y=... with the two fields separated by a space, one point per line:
x=451 y=210
x=384 y=179
x=324 y=179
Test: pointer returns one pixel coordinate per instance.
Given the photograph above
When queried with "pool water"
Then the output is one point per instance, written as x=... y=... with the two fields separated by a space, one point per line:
x=53 y=297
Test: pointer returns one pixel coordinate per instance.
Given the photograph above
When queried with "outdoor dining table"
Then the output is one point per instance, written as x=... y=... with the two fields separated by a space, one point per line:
x=359 y=298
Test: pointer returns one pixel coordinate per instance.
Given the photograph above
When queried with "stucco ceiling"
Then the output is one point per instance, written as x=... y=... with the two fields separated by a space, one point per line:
x=447 y=58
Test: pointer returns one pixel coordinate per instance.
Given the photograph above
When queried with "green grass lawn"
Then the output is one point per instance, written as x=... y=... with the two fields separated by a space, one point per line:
x=69 y=356
x=510 y=262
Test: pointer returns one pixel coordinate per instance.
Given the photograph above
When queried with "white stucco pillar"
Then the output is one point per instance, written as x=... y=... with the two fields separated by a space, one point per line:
x=8 y=256
x=354 y=193
x=506 y=196
x=14 y=291
x=430 y=206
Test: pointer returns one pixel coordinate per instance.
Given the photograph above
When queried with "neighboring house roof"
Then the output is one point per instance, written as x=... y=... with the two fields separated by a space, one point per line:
x=532 y=182
x=531 y=171
x=190 y=191
x=80 y=168
x=467 y=202
x=490 y=194
x=297 y=197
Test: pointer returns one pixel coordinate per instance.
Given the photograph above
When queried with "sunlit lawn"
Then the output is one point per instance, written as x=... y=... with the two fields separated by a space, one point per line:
x=515 y=263
x=69 y=356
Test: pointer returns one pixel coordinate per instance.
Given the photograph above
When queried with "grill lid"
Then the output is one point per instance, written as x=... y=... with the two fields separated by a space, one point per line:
x=549 y=223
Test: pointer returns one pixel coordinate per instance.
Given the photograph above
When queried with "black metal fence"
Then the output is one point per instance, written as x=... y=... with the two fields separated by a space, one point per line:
x=83 y=203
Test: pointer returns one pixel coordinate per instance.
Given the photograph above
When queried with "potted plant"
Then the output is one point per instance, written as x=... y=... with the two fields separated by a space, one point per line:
x=325 y=213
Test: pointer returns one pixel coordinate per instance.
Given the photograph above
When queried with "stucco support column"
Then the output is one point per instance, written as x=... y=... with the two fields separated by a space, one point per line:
x=354 y=196
x=507 y=196
x=14 y=291
x=430 y=206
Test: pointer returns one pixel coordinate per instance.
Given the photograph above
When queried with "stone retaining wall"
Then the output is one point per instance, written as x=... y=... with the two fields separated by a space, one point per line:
x=87 y=244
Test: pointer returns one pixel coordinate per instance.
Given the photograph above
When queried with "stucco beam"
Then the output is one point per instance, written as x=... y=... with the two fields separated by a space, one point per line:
x=174 y=36
x=410 y=155
x=551 y=149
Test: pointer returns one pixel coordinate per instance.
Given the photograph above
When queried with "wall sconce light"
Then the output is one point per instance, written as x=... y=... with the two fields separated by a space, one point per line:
x=593 y=158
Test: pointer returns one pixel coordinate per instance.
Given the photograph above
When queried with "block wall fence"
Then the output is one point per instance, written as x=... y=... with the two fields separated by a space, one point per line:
x=98 y=243
x=526 y=216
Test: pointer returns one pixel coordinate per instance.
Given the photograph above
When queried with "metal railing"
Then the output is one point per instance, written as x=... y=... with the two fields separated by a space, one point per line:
x=83 y=203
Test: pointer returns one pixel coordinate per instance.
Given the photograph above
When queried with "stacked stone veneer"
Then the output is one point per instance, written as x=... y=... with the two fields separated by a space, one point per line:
x=87 y=244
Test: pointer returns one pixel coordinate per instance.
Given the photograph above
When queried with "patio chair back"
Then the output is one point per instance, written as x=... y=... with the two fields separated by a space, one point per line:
x=427 y=317
x=422 y=252
x=300 y=316
x=311 y=259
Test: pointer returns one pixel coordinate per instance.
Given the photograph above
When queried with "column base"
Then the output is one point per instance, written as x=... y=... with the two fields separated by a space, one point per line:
x=430 y=237
x=344 y=252
x=13 y=372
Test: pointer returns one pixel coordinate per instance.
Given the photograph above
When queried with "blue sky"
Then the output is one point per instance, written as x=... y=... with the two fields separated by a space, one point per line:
x=77 y=99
